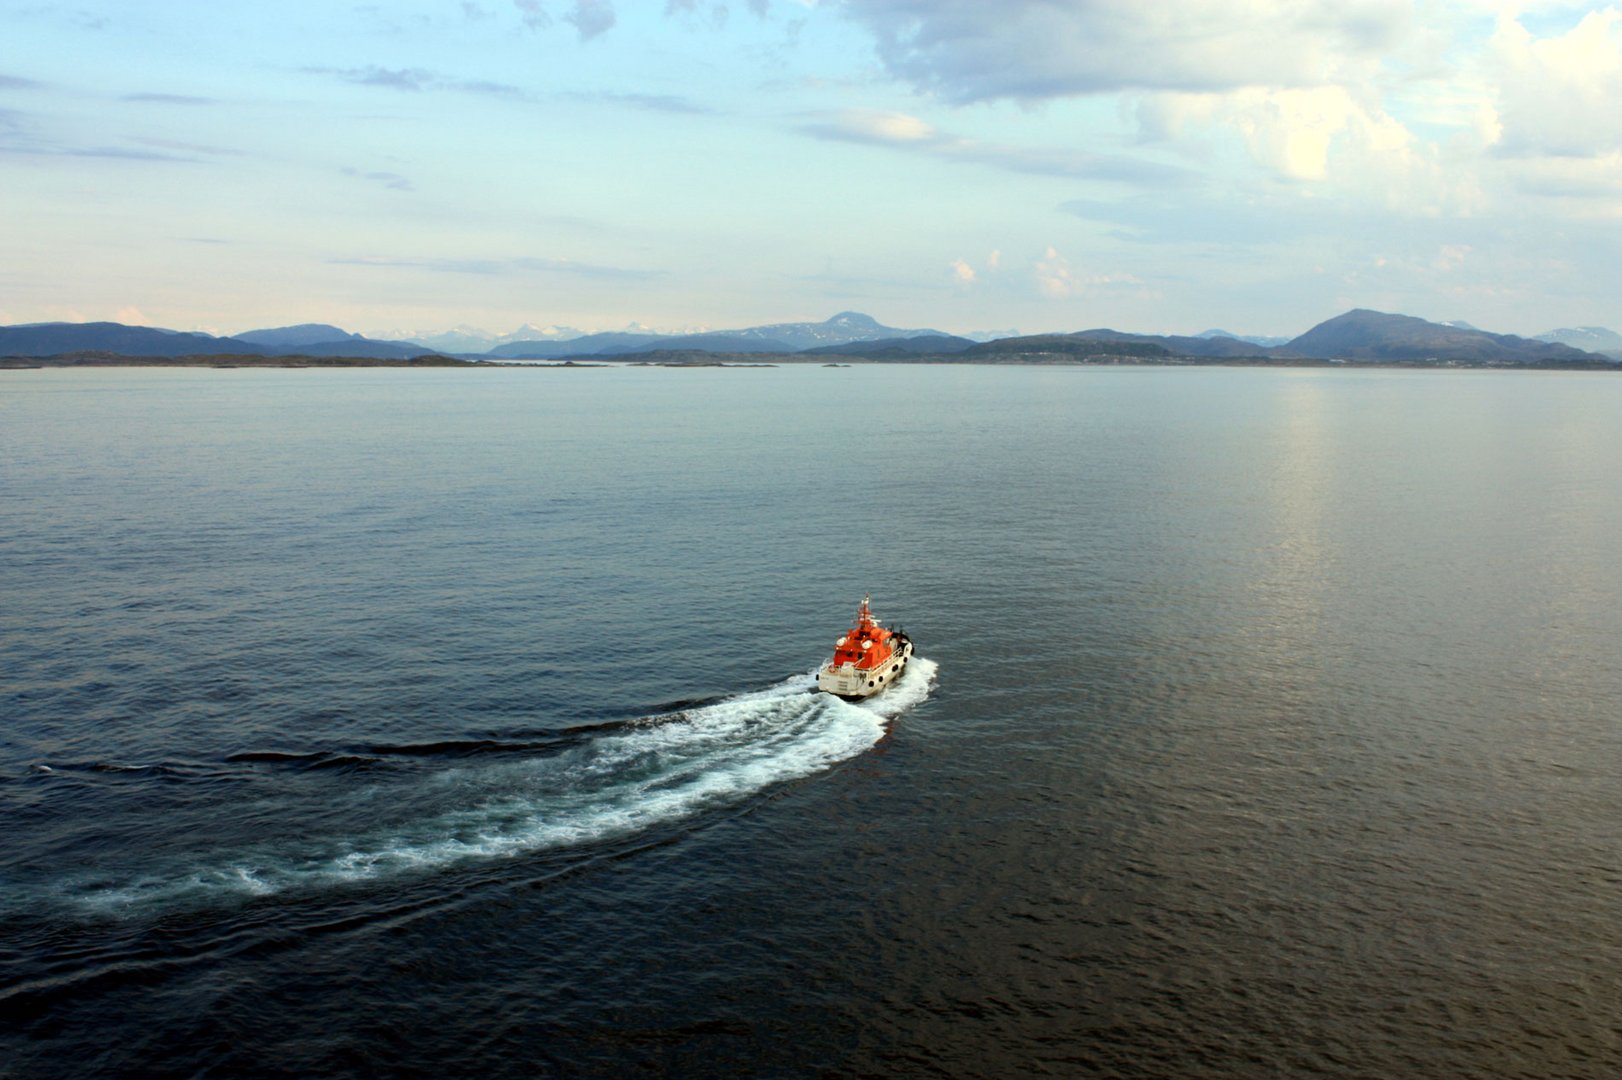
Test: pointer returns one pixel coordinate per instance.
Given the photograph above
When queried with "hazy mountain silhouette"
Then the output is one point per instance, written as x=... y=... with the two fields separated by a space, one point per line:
x=1596 y=339
x=282 y=337
x=841 y=329
x=50 y=339
x=1376 y=336
x=53 y=339
x=918 y=344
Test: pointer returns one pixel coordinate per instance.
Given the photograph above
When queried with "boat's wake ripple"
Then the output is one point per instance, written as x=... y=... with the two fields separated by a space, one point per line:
x=607 y=786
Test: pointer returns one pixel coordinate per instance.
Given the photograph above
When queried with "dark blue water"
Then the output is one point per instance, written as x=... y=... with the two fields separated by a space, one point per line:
x=455 y=723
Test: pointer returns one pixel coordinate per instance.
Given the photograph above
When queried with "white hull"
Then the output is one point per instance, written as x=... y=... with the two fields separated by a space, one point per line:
x=849 y=681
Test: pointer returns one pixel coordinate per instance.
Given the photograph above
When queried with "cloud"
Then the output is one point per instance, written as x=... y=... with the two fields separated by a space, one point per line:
x=590 y=18
x=1581 y=188
x=500 y=267
x=533 y=14
x=422 y=80
x=1212 y=218
x=169 y=99
x=16 y=82
x=1329 y=142
x=124 y=153
x=1451 y=257
x=392 y=181
x=408 y=79
x=666 y=103
x=1292 y=131
x=20 y=135
x=569 y=266
x=718 y=12
x=1033 y=50
x=1373 y=101
x=963 y=273
x=1056 y=279
x=904 y=132
x=188 y=147
x=416 y=80
x=1558 y=95
x=883 y=128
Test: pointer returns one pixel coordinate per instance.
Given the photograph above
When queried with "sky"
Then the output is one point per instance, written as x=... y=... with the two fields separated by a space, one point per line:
x=961 y=165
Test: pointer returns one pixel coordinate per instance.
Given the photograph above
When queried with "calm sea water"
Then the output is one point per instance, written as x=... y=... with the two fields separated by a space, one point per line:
x=460 y=723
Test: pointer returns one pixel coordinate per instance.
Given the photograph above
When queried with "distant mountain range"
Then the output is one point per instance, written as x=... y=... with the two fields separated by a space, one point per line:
x=1359 y=336
x=1218 y=347
x=469 y=340
x=1254 y=339
x=51 y=339
x=309 y=339
x=845 y=328
x=1594 y=339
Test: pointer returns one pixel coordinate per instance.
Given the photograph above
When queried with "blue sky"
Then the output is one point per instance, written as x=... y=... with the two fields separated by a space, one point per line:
x=1258 y=165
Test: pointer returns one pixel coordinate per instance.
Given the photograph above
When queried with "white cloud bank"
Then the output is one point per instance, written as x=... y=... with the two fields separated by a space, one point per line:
x=1558 y=95
x=1032 y=50
x=1452 y=109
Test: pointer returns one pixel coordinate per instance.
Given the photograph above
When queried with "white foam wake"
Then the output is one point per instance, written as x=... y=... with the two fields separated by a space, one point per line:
x=653 y=772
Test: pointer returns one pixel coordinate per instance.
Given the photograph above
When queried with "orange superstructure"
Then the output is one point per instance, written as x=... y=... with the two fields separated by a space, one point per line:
x=868 y=658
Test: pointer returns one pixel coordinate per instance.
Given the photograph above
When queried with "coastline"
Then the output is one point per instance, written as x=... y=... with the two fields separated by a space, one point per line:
x=224 y=360
x=697 y=359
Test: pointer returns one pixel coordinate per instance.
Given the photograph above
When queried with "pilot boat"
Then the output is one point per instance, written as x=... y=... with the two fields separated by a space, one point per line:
x=866 y=660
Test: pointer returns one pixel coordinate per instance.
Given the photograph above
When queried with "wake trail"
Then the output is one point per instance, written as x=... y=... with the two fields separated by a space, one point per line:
x=624 y=780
